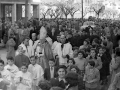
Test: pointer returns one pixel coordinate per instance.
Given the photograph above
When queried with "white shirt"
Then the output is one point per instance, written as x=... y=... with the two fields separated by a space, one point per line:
x=13 y=69
x=52 y=72
x=26 y=83
x=37 y=72
x=31 y=47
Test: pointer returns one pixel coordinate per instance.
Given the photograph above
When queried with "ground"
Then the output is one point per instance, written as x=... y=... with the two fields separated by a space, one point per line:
x=3 y=53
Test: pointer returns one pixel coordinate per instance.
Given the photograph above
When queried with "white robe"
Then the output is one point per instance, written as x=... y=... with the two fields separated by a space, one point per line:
x=67 y=50
x=13 y=69
x=26 y=83
x=54 y=45
x=6 y=75
x=31 y=48
x=37 y=73
x=26 y=49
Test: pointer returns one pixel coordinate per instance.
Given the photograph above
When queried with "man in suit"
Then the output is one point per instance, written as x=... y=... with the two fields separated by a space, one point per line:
x=50 y=72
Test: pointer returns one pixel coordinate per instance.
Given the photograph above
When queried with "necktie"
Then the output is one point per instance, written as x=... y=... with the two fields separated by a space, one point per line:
x=33 y=42
x=62 y=45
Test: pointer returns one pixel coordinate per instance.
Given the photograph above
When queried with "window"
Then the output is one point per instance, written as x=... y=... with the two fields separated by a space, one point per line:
x=23 y=10
x=8 y=10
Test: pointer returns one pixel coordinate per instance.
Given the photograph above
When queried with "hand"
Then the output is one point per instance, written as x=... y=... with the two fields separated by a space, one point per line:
x=9 y=69
x=64 y=56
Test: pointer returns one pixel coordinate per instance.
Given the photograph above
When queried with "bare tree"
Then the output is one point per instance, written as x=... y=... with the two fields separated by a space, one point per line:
x=98 y=8
x=73 y=9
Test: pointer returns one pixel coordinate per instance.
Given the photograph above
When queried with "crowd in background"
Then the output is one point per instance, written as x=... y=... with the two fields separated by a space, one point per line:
x=60 y=55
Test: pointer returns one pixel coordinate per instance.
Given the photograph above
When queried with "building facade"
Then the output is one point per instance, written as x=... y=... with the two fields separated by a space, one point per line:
x=15 y=9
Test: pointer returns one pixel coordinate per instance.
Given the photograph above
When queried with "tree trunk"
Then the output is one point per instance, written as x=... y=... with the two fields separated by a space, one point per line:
x=66 y=16
x=72 y=16
x=26 y=12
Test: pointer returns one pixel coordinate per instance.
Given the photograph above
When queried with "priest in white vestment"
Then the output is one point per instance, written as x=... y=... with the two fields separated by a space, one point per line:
x=63 y=50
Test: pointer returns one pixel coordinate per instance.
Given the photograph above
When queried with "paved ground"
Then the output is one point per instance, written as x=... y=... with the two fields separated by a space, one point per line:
x=3 y=54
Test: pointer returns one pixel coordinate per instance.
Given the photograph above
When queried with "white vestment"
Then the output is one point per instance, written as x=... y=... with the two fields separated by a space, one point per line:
x=67 y=50
x=36 y=72
x=26 y=83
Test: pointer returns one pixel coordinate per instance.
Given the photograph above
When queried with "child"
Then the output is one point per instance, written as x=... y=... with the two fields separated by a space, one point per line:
x=11 y=66
x=36 y=71
x=5 y=77
x=75 y=52
x=91 y=77
x=50 y=72
x=80 y=62
x=23 y=79
x=70 y=63
x=81 y=84
x=60 y=80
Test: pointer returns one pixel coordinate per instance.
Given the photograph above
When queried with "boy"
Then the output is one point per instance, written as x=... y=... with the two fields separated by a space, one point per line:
x=11 y=66
x=91 y=77
x=36 y=71
x=51 y=71
x=5 y=77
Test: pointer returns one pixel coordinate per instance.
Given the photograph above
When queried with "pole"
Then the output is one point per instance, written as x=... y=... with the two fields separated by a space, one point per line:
x=82 y=8
x=26 y=12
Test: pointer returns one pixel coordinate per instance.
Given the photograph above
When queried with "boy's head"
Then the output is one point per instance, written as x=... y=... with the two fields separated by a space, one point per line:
x=75 y=50
x=26 y=41
x=91 y=64
x=1 y=65
x=51 y=62
x=10 y=60
x=81 y=54
x=101 y=50
x=33 y=60
x=20 y=50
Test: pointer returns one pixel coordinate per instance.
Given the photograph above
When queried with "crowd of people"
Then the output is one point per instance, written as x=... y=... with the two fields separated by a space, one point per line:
x=60 y=55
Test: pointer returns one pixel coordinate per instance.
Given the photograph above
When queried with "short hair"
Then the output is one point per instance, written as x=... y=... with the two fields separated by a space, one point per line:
x=96 y=40
x=74 y=66
x=26 y=38
x=35 y=57
x=2 y=62
x=71 y=60
x=92 y=63
x=62 y=67
x=75 y=48
x=93 y=49
x=52 y=60
x=72 y=79
x=104 y=43
x=44 y=85
x=86 y=40
x=10 y=58
x=24 y=64
x=82 y=53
